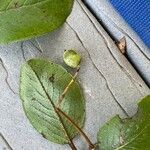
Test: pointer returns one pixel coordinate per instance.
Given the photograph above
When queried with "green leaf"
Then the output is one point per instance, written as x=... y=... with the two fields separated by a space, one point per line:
x=127 y=134
x=42 y=83
x=24 y=19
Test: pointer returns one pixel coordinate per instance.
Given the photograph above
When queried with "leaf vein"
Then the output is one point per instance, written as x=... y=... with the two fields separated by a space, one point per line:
x=134 y=137
x=50 y=116
x=22 y=6
x=60 y=119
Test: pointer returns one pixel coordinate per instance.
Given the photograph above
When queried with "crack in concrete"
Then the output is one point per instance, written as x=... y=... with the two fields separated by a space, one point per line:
x=7 y=76
x=106 y=43
x=106 y=82
x=37 y=47
x=22 y=49
x=126 y=34
x=6 y=142
x=31 y=44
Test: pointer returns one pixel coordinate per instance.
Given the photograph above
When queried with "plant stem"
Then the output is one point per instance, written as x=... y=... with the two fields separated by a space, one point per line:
x=91 y=145
x=73 y=147
x=71 y=144
x=67 y=88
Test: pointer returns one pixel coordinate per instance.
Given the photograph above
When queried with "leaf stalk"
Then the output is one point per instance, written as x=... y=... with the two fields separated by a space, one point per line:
x=91 y=145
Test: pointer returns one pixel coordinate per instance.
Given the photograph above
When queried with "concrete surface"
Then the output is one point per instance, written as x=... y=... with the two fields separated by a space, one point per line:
x=111 y=85
x=137 y=52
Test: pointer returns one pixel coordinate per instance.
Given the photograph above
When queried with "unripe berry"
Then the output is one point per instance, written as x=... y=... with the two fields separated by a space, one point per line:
x=72 y=58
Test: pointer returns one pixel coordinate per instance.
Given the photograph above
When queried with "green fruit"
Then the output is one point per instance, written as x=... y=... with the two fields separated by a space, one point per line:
x=72 y=58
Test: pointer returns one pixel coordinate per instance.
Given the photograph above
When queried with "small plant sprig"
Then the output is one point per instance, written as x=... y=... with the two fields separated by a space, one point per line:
x=73 y=59
x=54 y=104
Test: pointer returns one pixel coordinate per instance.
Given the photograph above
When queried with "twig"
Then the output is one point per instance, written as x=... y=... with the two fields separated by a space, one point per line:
x=71 y=144
x=91 y=145
x=73 y=147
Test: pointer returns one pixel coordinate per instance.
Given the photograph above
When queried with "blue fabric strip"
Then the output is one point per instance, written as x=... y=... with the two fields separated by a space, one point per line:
x=137 y=14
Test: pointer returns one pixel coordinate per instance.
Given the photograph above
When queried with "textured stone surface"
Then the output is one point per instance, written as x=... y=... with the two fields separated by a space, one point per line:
x=137 y=52
x=4 y=144
x=110 y=83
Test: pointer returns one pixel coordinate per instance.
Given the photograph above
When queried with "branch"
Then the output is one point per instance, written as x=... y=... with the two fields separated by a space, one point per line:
x=91 y=145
